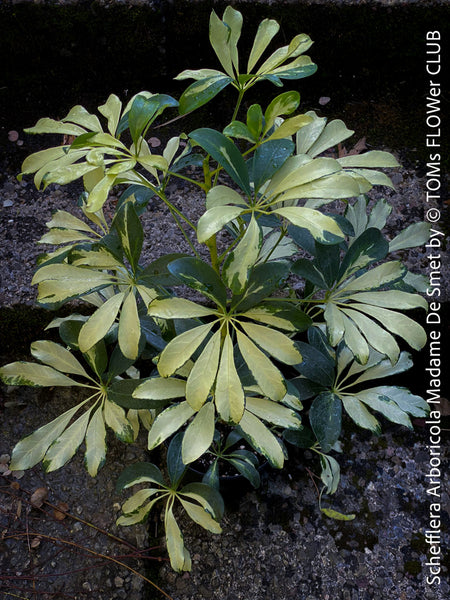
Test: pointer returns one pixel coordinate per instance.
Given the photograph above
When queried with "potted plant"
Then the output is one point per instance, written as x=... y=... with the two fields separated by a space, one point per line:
x=297 y=306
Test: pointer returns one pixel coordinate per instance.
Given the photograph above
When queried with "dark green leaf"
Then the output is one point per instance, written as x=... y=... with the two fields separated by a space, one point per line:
x=327 y=260
x=255 y=120
x=318 y=339
x=297 y=72
x=143 y=471
x=211 y=477
x=239 y=130
x=345 y=225
x=138 y=195
x=303 y=438
x=118 y=363
x=268 y=159
x=145 y=110
x=306 y=388
x=247 y=470
x=69 y=331
x=368 y=248
x=157 y=273
x=202 y=91
x=303 y=238
x=97 y=357
x=315 y=366
x=152 y=333
x=232 y=438
x=201 y=277
x=325 y=417
x=175 y=465
x=225 y=153
x=246 y=456
x=187 y=160
x=309 y=270
x=263 y=281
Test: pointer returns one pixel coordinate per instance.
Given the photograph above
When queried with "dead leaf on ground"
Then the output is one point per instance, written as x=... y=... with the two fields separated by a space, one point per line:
x=357 y=148
x=154 y=142
x=60 y=514
x=35 y=542
x=38 y=497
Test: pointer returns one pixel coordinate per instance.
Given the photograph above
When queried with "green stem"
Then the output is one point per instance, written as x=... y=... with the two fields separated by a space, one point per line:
x=238 y=104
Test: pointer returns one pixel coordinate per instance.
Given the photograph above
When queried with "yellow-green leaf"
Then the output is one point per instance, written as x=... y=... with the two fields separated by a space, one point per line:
x=115 y=418
x=25 y=373
x=335 y=323
x=100 y=322
x=377 y=337
x=338 y=516
x=111 y=110
x=199 y=515
x=384 y=274
x=262 y=439
x=355 y=341
x=95 y=443
x=65 y=446
x=229 y=396
x=359 y=413
x=397 y=323
x=31 y=450
x=64 y=219
x=274 y=342
x=268 y=377
x=178 y=308
x=221 y=195
x=161 y=388
x=219 y=35
x=58 y=357
x=240 y=261
x=167 y=422
x=267 y=29
x=100 y=193
x=137 y=517
x=289 y=127
x=178 y=554
x=273 y=413
x=214 y=219
x=129 y=327
x=321 y=227
x=199 y=434
x=391 y=299
x=180 y=349
x=203 y=373
x=137 y=500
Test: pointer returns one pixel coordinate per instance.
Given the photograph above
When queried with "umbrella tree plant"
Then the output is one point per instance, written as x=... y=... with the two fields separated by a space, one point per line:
x=301 y=306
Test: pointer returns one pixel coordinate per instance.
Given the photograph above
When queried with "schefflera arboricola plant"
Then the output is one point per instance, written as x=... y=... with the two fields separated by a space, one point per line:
x=259 y=361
